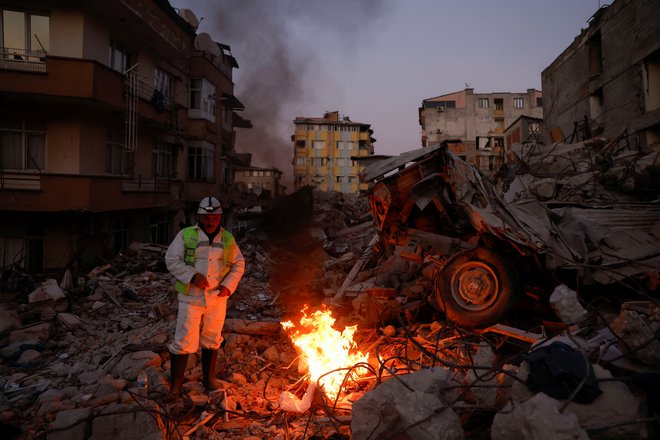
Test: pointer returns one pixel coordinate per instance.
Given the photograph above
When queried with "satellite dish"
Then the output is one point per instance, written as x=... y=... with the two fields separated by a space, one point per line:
x=214 y=50
x=190 y=17
x=203 y=41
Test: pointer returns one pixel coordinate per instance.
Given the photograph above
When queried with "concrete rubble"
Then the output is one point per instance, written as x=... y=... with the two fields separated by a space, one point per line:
x=91 y=361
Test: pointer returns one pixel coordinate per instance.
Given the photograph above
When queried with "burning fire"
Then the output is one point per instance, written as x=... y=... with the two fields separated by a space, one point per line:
x=325 y=349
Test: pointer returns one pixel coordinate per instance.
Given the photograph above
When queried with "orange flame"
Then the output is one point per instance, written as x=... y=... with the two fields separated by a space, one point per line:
x=325 y=349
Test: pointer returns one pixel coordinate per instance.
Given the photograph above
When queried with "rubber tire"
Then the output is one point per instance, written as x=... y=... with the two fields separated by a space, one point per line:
x=476 y=289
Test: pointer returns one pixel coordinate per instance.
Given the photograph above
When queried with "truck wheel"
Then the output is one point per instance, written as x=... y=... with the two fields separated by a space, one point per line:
x=477 y=288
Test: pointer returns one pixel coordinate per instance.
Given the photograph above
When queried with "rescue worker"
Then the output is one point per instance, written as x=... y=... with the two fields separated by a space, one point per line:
x=207 y=265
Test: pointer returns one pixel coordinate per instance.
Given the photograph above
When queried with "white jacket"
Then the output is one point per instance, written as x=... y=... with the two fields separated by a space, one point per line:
x=209 y=261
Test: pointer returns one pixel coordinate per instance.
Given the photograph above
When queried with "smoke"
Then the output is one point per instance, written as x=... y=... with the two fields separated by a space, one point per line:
x=279 y=73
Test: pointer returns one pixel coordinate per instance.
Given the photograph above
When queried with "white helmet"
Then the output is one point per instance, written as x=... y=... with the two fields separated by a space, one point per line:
x=209 y=205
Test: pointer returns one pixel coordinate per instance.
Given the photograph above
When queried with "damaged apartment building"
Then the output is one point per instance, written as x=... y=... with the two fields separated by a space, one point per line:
x=607 y=82
x=327 y=153
x=476 y=122
x=116 y=118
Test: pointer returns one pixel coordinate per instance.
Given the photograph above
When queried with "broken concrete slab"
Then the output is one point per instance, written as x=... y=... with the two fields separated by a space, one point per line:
x=70 y=425
x=48 y=290
x=114 y=420
x=394 y=409
x=616 y=408
x=131 y=364
x=565 y=303
x=538 y=418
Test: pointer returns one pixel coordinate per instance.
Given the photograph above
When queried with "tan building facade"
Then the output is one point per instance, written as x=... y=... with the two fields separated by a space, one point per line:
x=477 y=120
x=326 y=153
x=115 y=118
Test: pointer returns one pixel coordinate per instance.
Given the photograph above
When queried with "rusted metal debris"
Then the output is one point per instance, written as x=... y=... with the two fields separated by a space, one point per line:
x=487 y=239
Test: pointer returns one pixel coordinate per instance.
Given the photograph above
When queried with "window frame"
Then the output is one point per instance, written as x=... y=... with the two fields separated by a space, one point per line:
x=26 y=131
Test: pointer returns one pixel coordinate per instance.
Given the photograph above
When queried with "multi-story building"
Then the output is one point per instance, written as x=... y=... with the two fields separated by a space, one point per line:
x=326 y=152
x=115 y=119
x=608 y=80
x=477 y=120
x=263 y=182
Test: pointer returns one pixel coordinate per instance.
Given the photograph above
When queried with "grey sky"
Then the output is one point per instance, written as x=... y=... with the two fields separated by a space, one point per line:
x=375 y=60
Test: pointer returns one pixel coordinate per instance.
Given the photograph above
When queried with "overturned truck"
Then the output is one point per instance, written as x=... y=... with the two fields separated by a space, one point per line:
x=484 y=245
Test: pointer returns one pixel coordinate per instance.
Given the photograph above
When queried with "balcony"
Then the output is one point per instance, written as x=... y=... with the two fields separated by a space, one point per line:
x=74 y=79
x=46 y=192
x=22 y=60
x=142 y=184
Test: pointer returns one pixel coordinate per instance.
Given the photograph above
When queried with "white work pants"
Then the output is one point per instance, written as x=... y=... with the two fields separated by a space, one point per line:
x=190 y=317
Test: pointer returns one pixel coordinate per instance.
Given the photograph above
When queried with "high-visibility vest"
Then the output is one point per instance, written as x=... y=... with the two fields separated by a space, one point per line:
x=190 y=242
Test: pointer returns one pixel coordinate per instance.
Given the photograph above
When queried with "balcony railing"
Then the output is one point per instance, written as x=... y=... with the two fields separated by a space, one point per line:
x=141 y=184
x=21 y=59
x=20 y=181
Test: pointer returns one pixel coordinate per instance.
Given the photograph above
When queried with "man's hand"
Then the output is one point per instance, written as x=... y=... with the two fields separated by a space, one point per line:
x=200 y=281
x=223 y=291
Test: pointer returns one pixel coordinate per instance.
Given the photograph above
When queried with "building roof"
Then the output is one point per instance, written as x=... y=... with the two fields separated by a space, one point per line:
x=326 y=121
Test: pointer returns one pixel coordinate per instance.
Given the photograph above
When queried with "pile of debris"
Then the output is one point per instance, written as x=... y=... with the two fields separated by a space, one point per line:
x=87 y=357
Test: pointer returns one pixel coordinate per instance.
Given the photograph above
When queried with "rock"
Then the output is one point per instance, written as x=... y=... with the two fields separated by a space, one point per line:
x=132 y=363
x=638 y=334
x=536 y=419
x=272 y=354
x=114 y=420
x=483 y=396
x=29 y=357
x=238 y=379
x=49 y=290
x=51 y=396
x=68 y=320
x=389 y=331
x=69 y=425
x=565 y=303
x=9 y=320
x=392 y=409
x=38 y=332
x=617 y=405
x=89 y=377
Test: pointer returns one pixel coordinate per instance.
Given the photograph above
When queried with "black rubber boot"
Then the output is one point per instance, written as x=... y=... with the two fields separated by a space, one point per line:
x=178 y=364
x=209 y=361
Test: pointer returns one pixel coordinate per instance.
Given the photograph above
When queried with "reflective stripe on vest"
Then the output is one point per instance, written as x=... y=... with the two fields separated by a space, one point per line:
x=190 y=242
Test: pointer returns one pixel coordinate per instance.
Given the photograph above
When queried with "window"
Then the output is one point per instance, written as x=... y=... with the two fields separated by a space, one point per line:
x=247 y=174
x=300 y=144
x=22 y=144
x=163 y=83
x=159 y=228
x=345 y=145
x=539 y=101
x=201 y=103
x=200 y=162
x=595 y=49
x=499 y=141
x=483 y=102
x=500 y=123
x=318 y=145
x=118 y=160
x=499 y=103
x=119 y=57
x=518 y=103
x=651 y=76
x=162 y=160
x=301 y=160
x=119 y=232
x=444 y=104
x=26 y=37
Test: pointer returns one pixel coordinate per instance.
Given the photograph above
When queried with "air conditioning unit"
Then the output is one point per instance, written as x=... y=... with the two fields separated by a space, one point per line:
x=440 y=108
